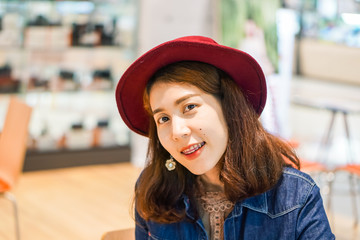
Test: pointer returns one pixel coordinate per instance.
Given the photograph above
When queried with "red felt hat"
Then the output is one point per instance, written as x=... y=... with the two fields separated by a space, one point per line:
x=240 y=66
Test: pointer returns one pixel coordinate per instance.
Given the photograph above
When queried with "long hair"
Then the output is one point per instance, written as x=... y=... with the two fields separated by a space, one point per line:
x=252 y=163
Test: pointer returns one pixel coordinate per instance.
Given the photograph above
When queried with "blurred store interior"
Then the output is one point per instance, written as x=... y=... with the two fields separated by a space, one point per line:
x=64 y=59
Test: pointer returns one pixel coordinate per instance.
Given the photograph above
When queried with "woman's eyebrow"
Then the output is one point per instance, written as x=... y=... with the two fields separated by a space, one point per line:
x=182 y=99
x=177 y=102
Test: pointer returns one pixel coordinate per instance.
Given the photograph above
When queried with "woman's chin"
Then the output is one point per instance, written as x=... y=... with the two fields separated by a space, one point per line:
x=197 y=171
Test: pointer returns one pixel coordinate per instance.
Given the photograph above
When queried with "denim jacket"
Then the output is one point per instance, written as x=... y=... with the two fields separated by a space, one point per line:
x=293 y=209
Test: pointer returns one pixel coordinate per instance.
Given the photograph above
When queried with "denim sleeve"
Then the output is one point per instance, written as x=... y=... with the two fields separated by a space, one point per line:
x=141 y=231
x=312 y=222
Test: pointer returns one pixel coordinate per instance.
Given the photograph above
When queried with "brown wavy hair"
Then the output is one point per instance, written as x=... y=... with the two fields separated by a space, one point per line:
x=252 y=163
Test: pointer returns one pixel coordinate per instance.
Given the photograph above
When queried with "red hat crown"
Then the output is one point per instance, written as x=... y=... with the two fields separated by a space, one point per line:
x=240 y=66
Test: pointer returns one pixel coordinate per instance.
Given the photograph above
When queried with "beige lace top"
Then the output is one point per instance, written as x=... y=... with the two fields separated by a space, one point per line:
x=214 y=208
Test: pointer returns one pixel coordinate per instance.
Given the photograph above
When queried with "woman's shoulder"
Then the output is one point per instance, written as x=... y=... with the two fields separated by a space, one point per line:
x=293 y=182
x=292 y=176
x=291 y=192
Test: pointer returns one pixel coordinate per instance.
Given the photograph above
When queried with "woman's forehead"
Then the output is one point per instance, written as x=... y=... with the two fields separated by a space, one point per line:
x=174 y=86
x=170 y=94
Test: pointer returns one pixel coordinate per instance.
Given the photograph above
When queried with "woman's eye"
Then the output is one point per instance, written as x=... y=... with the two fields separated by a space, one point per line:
x=163 y=120
x=189 y=107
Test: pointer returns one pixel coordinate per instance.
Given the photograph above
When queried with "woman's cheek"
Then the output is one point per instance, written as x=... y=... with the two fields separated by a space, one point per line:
x=163 y=139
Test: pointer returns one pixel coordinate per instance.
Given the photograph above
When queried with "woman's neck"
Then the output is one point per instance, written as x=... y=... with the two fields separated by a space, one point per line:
x=211 y=181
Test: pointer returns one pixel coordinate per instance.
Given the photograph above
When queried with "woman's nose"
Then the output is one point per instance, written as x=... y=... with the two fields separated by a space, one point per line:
x=180 y=128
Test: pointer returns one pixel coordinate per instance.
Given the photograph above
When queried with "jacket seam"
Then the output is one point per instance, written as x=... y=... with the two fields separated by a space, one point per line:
x=312 y=183
x=308 y=194
x=284 y=212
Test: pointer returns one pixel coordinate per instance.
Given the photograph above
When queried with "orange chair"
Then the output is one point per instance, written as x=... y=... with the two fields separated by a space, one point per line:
x=13 y=140
x=125 y=234
x=352 y=168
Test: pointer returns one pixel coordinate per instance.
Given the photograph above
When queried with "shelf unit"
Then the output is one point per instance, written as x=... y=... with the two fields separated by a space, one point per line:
x=328 y=43
x=45 y=46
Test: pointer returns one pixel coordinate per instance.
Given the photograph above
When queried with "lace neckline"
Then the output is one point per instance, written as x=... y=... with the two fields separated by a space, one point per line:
x=215 y=202
x=215 y=207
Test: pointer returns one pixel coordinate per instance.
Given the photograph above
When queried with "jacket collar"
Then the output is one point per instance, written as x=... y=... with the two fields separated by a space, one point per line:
x=256 y=203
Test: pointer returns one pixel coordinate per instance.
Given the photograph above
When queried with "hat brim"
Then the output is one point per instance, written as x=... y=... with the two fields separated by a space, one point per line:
x=240 y=66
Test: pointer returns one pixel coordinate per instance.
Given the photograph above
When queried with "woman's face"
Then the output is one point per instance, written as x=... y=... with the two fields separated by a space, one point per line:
x=190 y=125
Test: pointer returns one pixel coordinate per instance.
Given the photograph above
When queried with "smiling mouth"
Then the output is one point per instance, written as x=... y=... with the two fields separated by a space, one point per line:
x=193 y=148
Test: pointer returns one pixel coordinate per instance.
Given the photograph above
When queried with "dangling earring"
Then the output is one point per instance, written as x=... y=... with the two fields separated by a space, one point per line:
x=170 y=164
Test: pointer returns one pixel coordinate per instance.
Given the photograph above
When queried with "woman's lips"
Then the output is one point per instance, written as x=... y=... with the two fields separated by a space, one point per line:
x=193 y=151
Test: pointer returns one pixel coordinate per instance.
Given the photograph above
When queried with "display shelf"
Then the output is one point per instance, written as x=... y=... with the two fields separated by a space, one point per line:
x=67 y=60
x=55 y=114
x=329 y=20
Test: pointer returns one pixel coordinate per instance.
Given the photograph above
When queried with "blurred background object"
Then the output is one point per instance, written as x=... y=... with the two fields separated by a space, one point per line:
x=64 y=59
x=13 y=140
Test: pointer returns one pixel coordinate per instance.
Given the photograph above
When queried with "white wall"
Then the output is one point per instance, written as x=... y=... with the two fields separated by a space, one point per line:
x=163 y=20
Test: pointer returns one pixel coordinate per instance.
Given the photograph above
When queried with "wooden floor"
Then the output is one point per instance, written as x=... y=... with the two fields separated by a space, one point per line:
x=72 y=204
x=84 y=202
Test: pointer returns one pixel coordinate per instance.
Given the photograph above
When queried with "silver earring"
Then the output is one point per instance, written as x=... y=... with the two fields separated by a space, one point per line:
x=170 y=164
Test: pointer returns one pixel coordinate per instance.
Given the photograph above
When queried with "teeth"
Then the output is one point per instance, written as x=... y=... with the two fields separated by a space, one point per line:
x=193 y=148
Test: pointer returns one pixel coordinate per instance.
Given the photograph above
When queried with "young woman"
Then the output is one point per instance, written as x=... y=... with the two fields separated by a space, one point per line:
x=212 y=171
